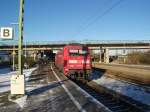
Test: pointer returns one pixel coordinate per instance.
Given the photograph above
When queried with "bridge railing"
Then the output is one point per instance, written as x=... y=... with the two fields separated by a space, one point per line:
x=10 y=43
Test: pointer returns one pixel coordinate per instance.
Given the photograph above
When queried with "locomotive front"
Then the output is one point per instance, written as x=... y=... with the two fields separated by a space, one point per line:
x=77 y=61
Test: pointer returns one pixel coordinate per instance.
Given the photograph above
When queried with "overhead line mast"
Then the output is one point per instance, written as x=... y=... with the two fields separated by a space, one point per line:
x=18 y=80
x=20 y=42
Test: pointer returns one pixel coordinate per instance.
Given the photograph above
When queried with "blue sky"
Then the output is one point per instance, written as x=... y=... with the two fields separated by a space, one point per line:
x=54 y=20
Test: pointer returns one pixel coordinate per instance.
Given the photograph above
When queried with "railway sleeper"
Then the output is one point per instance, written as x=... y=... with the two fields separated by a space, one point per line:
x=123 y=110
x=114 y=104
x=107 y=97
x=139 y=106
x=117 y=107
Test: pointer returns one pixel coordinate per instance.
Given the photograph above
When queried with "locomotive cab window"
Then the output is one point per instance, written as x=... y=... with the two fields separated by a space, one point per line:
x=83 y=52
x=77 y=52
x=73 y=52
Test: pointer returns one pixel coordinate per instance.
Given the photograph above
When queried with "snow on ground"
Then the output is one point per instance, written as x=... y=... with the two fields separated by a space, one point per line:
x=133 y=91
x=5 y=75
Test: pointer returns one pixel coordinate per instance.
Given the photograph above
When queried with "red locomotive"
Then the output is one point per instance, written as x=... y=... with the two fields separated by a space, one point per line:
x=74 y=61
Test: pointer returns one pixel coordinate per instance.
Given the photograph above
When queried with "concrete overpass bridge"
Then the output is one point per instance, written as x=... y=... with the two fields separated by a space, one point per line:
x=102 y=45
x=92 y=44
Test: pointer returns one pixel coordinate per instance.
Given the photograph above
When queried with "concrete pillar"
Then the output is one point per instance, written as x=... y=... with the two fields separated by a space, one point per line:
x=13 y=54
x=106 y=55
x=100 y=55
x=39 y=54
x=34 y=55
x=42 y=52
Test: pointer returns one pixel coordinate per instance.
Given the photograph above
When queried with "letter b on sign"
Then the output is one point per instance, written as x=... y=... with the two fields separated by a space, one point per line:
x=6 y=33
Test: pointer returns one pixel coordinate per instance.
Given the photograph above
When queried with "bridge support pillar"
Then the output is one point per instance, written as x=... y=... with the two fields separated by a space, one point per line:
x=34 y=56
x=100 y=55
x=106 y=55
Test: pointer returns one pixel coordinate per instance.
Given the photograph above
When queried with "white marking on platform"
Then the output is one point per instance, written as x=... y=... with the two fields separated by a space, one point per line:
x=92 y=98
x=2 y=95
x=1 y=104
x=69 y=94
x=20 y=101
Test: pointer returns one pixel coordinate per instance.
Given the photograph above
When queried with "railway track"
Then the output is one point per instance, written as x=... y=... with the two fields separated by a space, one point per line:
x=124 y=79
x=113 y=103
x=127 y=80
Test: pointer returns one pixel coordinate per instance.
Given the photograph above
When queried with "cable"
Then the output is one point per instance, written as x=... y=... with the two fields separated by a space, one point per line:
x=94 y=14
x=99 y=17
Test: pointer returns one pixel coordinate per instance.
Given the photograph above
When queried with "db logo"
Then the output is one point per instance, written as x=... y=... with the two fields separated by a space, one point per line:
x=6 y=33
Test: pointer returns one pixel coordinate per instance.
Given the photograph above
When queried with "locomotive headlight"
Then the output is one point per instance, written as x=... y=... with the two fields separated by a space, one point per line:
x=72 y=61
x=88 y=61
x=85 y=61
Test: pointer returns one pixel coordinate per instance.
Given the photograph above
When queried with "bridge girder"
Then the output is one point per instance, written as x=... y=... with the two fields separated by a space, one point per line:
x=91 y=46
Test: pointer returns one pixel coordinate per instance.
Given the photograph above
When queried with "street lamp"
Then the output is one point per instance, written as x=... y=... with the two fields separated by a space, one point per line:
x=14 y=24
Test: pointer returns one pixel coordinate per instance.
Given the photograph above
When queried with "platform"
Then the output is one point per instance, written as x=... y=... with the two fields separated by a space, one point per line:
x=48 y=90
x=138 y=74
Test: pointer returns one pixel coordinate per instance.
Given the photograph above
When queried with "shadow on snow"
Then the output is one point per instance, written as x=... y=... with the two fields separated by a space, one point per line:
x=97 y=73
x=45 y=88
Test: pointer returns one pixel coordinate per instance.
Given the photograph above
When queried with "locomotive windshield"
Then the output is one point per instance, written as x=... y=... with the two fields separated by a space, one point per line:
x=83 y=52
x=77 y=52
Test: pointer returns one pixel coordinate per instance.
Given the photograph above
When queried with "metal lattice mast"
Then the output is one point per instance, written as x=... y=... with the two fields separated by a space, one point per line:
x=20 y=42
